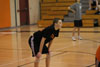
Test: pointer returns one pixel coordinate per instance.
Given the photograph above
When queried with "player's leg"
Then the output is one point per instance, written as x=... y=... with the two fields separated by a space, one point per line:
x=79 y=37
x=90 y=2
x=48 y=60
x=73 y=33
x=36 y=63
x=34 y=49
x=79 y=26
x=78 y=31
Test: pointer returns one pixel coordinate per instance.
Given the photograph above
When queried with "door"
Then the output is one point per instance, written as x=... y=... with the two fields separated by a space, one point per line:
x=24 y=12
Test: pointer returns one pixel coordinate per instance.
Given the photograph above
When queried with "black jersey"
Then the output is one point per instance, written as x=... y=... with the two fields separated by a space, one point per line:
x=49 y=33
x=34 y=41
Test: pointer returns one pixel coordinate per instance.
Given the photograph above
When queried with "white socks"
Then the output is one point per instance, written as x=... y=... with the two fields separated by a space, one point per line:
x=74 y=39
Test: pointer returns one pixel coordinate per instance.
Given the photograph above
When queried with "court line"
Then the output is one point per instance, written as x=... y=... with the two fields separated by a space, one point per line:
x=29 y=49
x=30 y=57
x=60 y=31
x=44 y=58
x=41 y=59
x=63 y=31
x=23 y=59
x=14 y=62
x=90 y=65
x=7 y=32
x=14 y=49
x=62 y=53
x=59 y=54
x=92 y=40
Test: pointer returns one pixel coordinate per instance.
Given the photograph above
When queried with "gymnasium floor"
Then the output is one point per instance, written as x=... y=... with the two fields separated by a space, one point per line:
x=15 y=52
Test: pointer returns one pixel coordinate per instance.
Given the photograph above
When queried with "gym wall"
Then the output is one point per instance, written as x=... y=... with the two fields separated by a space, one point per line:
x=5 y=17
x=7 y=13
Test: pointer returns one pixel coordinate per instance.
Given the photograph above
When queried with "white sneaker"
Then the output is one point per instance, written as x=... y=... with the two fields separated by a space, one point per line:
x=89 y=9
x=73 y=38
x=96 y=8
x=80 y=38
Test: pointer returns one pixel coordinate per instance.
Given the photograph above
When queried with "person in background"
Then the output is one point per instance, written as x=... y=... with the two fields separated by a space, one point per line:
x=76 y=8
x=98 y=11
x=93 y=3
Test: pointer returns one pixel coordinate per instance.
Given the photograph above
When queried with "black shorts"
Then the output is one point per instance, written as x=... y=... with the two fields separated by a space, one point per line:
x=94 y=3
x=78 y=23
x=35 y=47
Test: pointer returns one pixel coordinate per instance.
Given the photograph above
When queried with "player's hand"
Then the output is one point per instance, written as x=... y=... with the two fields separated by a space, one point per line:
x=49 y=52
x=39 y=55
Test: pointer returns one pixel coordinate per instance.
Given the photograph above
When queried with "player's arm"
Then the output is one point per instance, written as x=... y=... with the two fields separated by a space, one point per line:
x=97 y=3
x=71 y=9
x=41 y=44
x=41 y=47
x=50 y=45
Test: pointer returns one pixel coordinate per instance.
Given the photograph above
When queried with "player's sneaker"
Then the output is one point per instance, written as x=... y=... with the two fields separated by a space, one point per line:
x=96 y=8
x=89 y=9
x=73 y=38
x=80 y=38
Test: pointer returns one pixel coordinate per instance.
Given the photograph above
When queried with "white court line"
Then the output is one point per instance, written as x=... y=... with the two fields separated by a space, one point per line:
x=7 y=32
x=30 y=57
x=15 y=62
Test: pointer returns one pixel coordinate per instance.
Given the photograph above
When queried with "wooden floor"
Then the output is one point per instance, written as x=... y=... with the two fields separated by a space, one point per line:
x=15 y=52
